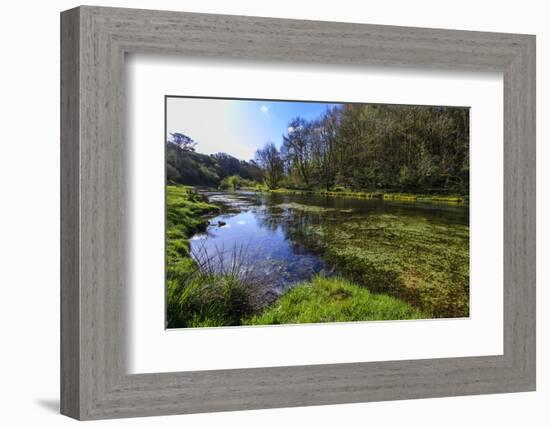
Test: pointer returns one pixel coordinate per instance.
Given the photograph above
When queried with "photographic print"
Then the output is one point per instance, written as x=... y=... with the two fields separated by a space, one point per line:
x=291 y=212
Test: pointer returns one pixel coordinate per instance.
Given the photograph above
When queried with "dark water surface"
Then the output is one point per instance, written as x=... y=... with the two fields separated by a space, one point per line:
x=281 y=236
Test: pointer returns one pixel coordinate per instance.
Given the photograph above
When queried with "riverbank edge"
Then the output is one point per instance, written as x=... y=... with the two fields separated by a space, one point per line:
x=315 y=286
x=411 y=197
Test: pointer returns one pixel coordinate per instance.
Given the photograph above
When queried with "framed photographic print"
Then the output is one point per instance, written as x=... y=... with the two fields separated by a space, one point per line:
x=261 y=213
x=332 y=212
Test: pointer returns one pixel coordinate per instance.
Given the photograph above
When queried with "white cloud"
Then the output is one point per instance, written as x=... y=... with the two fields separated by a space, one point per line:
x=264 y=110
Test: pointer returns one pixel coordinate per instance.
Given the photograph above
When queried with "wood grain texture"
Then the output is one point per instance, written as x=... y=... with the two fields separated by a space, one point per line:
x=70 y=220
x=94 y=272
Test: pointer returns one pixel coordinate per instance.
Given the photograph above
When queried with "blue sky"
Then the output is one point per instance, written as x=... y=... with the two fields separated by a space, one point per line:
x=236 y=127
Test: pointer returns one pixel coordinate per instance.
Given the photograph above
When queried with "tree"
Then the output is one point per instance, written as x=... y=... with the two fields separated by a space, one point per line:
x=232 y=182
x=380 y=147
x=357 y=146
x=324 y=147
x=297 y=146
x=185 y=166
x=183 y=141
x=269 y=160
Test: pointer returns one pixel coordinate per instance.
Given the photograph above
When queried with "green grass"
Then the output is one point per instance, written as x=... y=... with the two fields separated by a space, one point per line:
x=343 y=192
x=446 y=198
x=334 y=300
x=200 y=296
x=204 y=300
x=186 y=210
x=186 y=214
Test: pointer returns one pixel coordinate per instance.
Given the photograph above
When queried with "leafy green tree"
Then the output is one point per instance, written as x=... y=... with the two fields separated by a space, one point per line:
x=380 y=147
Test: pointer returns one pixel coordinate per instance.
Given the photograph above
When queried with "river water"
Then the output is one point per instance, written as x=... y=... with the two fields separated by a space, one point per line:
x=282 y=238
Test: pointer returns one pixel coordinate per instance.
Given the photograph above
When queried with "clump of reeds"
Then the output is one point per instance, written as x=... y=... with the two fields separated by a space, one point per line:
x=220 y=288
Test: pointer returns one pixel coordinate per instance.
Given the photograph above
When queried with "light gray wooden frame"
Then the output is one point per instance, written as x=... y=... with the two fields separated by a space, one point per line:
x=94 y=41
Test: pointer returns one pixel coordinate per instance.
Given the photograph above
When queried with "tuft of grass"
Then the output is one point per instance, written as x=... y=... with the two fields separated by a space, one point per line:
x=334 y=299
x=216 y=289
x=203 y=300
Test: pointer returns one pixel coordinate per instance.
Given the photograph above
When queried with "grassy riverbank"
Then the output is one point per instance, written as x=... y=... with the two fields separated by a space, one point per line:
x=185 y=215
x=198 y=292
x=202 y=295
x=341 y=192
x=334 y=300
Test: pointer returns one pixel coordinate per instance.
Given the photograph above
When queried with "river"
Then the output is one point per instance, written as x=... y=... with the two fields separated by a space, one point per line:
x=285 y=239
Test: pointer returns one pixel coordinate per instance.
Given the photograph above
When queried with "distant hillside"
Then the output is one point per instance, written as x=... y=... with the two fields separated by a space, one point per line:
x=185 y=166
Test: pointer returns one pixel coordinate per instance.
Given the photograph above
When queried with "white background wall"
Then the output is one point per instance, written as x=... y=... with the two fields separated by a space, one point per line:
x=29 y=212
